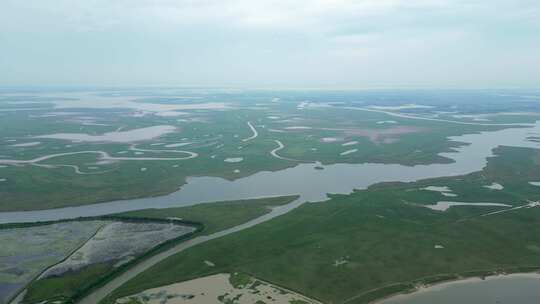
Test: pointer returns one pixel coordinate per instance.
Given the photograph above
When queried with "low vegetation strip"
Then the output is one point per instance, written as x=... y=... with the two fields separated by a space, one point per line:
x=215 y=216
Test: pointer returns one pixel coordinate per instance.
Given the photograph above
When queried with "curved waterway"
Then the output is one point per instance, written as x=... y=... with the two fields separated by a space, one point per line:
x=303 y=179
x=516 y=288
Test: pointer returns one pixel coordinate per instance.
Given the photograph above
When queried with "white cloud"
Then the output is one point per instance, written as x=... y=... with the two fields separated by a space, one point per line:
x=264 y=41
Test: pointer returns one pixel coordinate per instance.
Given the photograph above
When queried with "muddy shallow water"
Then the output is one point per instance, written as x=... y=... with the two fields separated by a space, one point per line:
x=210 y=289
x=116 y=136
x=515 y=289
x=304 y=179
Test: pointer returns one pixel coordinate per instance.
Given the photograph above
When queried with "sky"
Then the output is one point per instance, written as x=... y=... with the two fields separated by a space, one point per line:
x=271 y=44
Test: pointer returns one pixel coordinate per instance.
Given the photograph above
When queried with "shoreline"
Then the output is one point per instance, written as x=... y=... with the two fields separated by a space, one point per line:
x=423 y=288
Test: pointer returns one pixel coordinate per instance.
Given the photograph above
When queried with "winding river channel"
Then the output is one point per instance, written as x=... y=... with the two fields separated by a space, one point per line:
x=311 y=184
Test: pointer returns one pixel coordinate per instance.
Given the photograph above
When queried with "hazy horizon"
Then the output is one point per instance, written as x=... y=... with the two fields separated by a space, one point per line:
x=373 y=44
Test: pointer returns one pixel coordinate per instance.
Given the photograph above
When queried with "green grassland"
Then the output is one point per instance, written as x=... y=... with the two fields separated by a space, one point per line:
x=215 y=136
x=67 y=286
x=214 y=217
x=385 y=236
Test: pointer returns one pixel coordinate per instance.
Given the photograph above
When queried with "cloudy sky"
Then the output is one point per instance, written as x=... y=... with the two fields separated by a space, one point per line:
x=264 y=43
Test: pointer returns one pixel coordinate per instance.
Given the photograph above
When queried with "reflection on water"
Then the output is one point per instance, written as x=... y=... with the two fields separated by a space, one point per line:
x=513 y=289
x=304 y=179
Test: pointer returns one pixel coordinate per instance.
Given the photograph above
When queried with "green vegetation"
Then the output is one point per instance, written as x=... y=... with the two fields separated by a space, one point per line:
x=388 y=240
x=33 y=187
x=213 y=135
x=67 y=286
x=240 y=280
x=214 y=217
